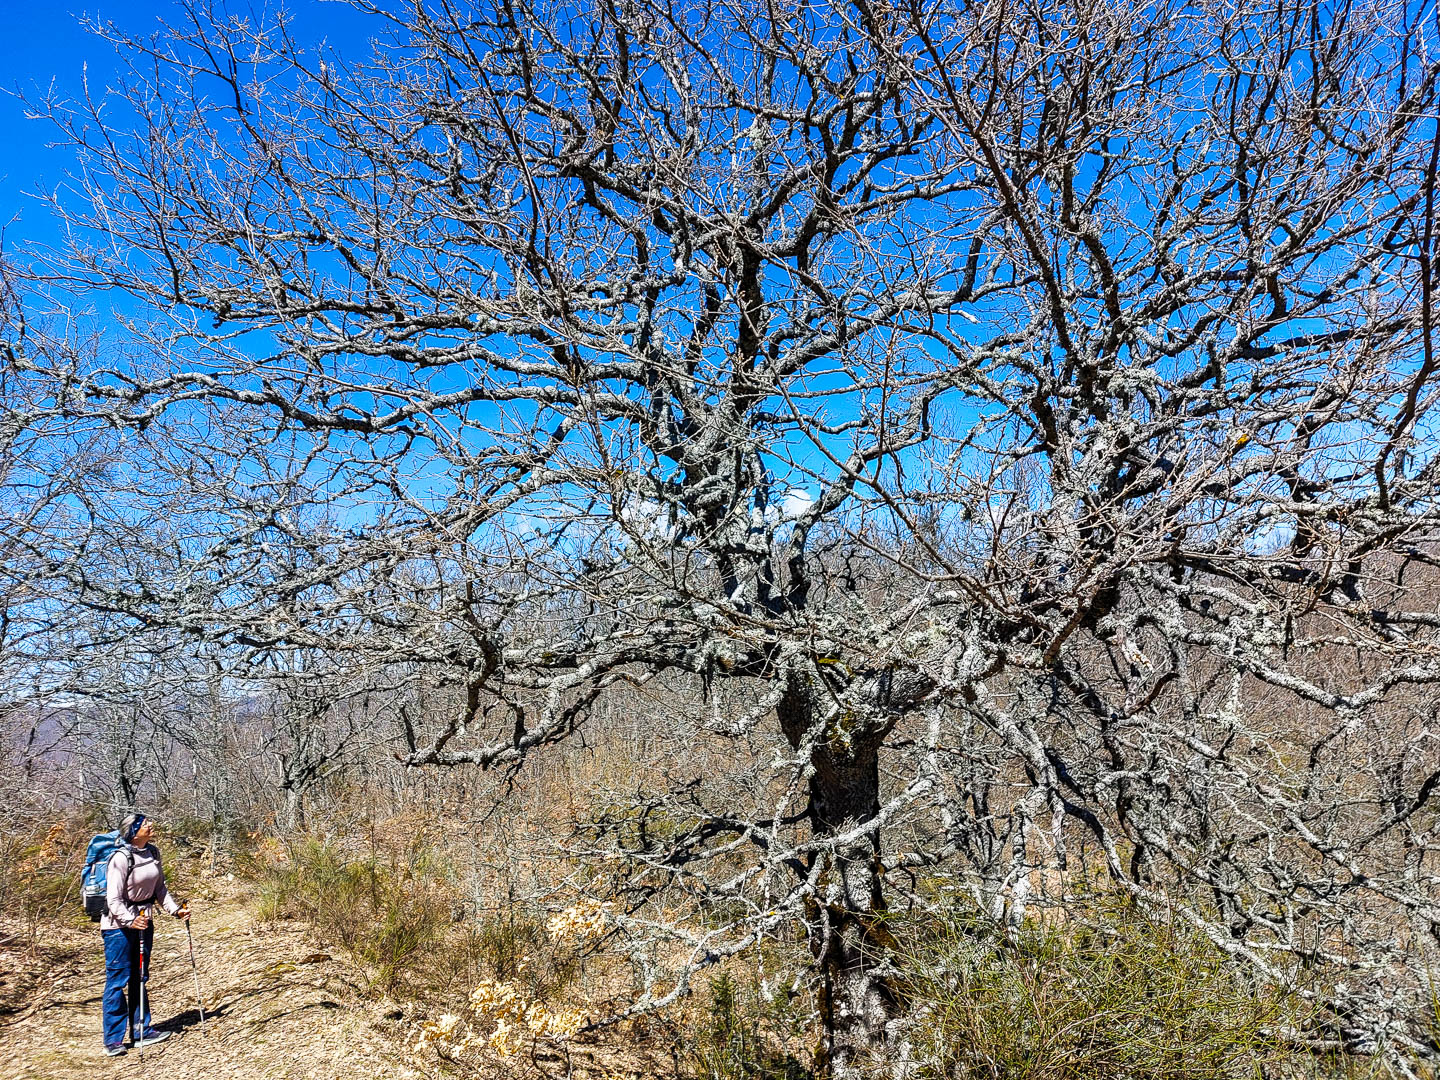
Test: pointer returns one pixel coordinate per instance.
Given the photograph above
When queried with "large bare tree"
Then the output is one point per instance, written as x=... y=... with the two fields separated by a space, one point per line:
x=1013 y=425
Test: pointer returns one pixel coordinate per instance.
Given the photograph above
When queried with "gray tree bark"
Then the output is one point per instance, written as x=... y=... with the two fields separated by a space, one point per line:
x=845 y=916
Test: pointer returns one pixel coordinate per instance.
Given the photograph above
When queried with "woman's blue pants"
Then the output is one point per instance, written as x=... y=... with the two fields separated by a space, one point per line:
x=122 y=982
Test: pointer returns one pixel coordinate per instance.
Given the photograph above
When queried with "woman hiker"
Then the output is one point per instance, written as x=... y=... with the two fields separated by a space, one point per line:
x=134 y=880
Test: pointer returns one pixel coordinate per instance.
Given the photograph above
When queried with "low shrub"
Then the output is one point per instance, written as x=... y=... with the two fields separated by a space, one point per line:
x=520 y=1008
x=1122 y=996
x=40 y=874
x=739 y=1039
x=505 y=940
x=392 y=918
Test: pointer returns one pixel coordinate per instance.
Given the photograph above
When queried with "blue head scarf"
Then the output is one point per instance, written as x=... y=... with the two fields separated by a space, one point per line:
x=131 y=827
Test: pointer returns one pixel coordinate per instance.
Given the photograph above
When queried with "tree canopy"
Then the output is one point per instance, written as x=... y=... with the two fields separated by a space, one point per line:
x=1011 y=428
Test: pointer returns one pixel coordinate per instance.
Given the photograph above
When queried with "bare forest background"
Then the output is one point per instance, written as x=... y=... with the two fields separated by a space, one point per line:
x=913 y=524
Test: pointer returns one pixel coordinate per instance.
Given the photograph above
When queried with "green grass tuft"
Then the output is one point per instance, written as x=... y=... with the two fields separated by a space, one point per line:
x=1120 y=997
x=393 y=919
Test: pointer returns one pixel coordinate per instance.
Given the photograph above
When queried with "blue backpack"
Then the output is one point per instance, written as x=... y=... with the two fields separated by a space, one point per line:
x=97 y=862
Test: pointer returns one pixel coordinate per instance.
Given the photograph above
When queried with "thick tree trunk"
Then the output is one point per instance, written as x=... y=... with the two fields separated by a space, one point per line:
x=294 y=810
x=847 y=931
x=845 y=923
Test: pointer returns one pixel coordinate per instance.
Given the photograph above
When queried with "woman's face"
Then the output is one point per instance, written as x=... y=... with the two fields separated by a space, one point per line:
x=144 y=833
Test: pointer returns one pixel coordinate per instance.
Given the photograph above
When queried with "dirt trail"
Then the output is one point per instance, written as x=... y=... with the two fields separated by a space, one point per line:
x=276 y=1006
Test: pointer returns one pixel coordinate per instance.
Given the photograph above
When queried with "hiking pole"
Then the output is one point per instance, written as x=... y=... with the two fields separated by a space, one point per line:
x=195 y=970
x=140 y=1038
